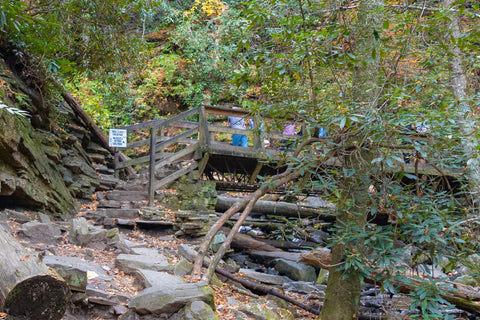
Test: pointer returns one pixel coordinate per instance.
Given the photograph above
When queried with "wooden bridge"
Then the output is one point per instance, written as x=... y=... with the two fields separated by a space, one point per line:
x=201 y=139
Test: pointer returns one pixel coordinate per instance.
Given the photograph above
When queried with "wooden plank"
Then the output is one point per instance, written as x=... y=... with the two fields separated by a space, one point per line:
x=202 y=164
x=151 y=175
x=182 y=153
x=145 y=159
x=176 y=139
x=223 y=129
x=255 y=172
x=225 y=111
x=174 y=176
x=185 y=124
x=204 y=135
x=159 y=122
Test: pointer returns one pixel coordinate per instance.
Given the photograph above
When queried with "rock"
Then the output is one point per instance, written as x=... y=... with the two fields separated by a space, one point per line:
x=41 y=232
x=217 y=241
x=199 y=310
x=468 y=280
x=186 y=251
x=129 y=263
x=171 y=298
x=258 y=309
x=150 y=278
x=119 y=310
x=322 y=276
x=296 y=271
x=122 y=213
x=193 y=223
x=266 y=257
x=43 y=218
x=76 y=271
x=29 y=159
x=432 y=271
x=16 y=216
x=105 y=298
x=183 y=267
x=85 y=234
x=195 y=194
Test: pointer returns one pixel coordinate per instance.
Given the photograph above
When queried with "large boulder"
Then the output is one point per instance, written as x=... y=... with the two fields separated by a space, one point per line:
x=171 y=297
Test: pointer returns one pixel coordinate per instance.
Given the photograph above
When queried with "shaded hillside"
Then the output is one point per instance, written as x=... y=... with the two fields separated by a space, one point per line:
x=44 y=164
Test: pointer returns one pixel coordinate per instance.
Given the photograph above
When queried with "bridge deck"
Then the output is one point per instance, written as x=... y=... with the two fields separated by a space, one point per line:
x=174 y=139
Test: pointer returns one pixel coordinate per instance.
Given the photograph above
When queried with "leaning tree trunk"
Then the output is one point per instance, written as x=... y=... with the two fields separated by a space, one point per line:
x=28 y=289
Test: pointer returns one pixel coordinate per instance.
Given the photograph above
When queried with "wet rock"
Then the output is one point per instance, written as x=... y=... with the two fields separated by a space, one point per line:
x=171 y=297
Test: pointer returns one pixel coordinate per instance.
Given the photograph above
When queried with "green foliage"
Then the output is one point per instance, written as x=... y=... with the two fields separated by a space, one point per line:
x=428 y=299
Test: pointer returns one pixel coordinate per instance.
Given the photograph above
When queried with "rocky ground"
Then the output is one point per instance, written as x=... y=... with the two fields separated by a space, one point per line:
x=124 y=260
x=107 y=279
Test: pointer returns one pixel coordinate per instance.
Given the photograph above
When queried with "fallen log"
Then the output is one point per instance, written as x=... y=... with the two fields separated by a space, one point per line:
x=246 y=242
x=284 y=209
x=28 y=289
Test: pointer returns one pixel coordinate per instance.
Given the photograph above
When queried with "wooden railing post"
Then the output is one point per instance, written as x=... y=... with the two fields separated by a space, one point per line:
x=151 y=177
x=116 y=158
x=203 y=135
x=257 y=134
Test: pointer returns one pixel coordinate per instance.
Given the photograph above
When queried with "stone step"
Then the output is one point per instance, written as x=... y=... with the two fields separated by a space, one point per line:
x=96 y=148
x=126 y=195
x=122 y=213
x=103 y=169
x=107 y=182
x=97 y=157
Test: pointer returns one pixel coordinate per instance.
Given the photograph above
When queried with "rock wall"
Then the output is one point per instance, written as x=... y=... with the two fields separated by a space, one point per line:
x=44 y=165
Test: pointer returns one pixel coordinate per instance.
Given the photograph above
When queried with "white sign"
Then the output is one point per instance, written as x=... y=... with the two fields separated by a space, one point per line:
x=117 y=138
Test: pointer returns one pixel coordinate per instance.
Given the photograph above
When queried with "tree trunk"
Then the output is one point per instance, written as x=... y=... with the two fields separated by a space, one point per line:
x=284 y=209
x=28 y=289
x=465 y=114
x=342 y=296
